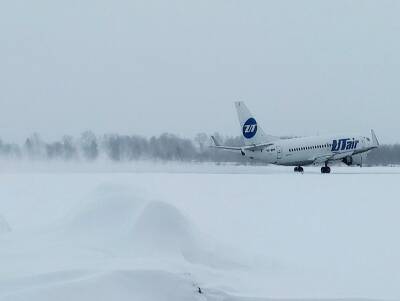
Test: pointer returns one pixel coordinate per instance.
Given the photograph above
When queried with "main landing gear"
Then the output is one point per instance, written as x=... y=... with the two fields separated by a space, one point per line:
x=298 y=169
x=326 y=168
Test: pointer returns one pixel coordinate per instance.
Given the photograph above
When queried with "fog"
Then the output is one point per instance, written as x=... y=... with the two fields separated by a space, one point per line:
x=149 y=67
x=167 y=147
x=111 y=191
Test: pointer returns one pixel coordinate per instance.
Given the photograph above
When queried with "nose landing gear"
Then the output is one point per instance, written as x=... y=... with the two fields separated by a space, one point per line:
x=298 y=169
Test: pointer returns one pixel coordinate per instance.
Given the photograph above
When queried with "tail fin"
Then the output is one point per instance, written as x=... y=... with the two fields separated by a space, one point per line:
x=251 y=131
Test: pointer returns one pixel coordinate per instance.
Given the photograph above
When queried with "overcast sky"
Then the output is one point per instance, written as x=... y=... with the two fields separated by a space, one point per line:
x=147 y=67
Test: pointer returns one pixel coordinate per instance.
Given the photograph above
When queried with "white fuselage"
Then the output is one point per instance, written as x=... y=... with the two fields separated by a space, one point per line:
x=309 y=150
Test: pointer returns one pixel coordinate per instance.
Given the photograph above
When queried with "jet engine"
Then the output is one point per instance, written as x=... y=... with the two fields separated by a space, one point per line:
x=354 y=160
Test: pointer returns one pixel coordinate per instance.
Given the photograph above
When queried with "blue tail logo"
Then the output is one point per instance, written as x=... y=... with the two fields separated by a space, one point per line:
x=344 y=144
x=250 y=128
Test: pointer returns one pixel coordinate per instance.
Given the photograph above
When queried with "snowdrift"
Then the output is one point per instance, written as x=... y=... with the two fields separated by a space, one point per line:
x=162 y=230
x=119 y=285
x=126 y=223
x=145 y=236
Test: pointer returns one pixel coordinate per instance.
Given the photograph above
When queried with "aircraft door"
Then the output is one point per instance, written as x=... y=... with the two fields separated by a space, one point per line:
x=278 y=152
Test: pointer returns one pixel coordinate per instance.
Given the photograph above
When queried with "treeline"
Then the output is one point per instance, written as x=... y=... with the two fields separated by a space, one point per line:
x=166 y=147
x=120 y=148
x=384 y=155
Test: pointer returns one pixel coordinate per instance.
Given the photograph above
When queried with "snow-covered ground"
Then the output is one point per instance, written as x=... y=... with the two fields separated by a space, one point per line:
x=148 y=231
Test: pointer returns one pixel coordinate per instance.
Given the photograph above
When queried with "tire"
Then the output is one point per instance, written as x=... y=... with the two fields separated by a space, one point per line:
x=325 y=169
x=298 y=169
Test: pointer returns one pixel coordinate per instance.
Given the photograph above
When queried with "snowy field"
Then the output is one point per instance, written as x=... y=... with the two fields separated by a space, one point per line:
x=159 y=231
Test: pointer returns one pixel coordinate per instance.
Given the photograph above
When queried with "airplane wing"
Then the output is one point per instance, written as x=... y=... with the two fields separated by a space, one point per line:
x=332 y=157
x=374 y=139
x=322 y=159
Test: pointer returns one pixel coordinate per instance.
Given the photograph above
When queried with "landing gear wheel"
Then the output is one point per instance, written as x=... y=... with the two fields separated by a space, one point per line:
x=325 y=169
x=298 y=169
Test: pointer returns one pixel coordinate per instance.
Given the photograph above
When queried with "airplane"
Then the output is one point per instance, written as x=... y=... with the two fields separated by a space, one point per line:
x=298 y=152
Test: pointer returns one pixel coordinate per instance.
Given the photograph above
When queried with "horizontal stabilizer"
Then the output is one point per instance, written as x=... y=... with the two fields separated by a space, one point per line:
x=216 y=143
x=252 y=148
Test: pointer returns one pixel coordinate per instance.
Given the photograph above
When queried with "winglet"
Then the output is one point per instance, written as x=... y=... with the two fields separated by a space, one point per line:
x=216 y=143
x=374 y=139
